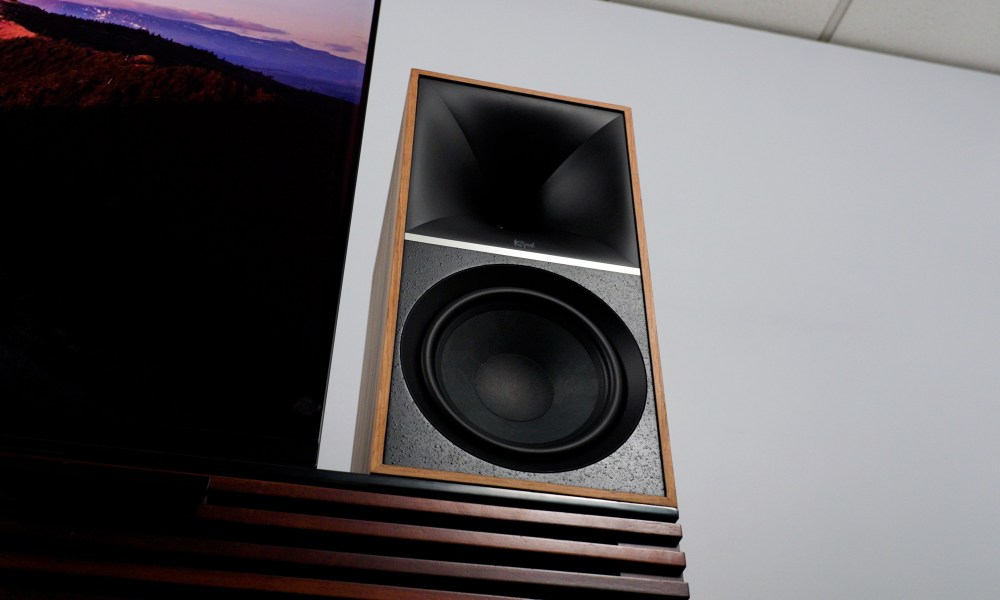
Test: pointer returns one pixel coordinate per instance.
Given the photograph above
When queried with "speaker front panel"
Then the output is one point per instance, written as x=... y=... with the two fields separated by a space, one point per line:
x=509 y=342
x=413 y=440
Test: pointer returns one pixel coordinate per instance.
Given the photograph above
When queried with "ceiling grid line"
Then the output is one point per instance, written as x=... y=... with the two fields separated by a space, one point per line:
x=835 y=19
x=956 y=33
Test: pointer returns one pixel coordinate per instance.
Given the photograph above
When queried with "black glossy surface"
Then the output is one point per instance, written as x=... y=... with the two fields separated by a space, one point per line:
x=170 y=279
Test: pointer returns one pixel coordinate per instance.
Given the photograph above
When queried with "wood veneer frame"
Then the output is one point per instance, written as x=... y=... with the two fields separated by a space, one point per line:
x=377 y=370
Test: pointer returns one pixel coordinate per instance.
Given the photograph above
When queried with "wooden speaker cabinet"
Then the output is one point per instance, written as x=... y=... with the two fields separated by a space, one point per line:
x=511 y=337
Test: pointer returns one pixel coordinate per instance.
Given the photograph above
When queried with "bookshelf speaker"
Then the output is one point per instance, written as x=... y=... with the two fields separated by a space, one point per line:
x=511 y=339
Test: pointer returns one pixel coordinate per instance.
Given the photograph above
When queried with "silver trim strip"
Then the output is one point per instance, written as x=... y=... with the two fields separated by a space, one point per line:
x=552 y=258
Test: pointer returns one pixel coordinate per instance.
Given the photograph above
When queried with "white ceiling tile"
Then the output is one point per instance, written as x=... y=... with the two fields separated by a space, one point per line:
x=958 y=32
x=803 y=18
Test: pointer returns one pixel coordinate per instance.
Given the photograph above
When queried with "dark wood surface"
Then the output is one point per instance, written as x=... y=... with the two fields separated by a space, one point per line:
x=83 y=530
x=430 y=505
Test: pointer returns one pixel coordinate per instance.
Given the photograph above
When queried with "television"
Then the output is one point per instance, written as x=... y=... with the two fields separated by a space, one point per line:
x=176 y=189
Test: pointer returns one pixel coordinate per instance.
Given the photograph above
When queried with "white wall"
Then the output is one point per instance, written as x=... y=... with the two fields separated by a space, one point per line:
x=824 y=231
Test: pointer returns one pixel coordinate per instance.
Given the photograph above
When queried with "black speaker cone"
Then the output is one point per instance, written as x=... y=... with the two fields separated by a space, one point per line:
x=523 y=368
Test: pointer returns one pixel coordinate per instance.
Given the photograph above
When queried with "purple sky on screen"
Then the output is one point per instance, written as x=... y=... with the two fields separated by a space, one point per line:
x=340 y=27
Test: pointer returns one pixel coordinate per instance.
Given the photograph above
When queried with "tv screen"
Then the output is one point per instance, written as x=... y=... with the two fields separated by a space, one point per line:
x=176 y=186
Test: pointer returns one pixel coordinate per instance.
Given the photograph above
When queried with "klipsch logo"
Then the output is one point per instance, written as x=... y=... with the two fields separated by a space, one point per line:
x=524 y=244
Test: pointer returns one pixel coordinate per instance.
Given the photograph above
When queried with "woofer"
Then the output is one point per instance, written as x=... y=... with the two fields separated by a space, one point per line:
x=523 y=368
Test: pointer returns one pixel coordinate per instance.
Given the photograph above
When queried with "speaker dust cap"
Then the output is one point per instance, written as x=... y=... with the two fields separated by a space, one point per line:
x=523 y=368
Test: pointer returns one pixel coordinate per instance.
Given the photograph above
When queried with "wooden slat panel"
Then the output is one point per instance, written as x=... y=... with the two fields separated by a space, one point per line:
x=257 y=558
x=223 y=579
x=494 y=541
x=260 y=552
x=465 y=509
x=9 y=594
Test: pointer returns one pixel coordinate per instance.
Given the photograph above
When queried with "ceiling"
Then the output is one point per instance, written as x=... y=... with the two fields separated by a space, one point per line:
x=962 y=33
